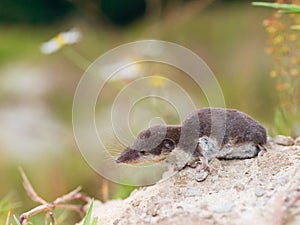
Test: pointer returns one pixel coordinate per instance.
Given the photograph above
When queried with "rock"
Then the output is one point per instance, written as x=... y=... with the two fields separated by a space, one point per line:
x=283 y=140
x=116 y=222
x=227 y=207
x=136 y=203
x=181 y=219
x=259 y=191
x=154 y=212
x=201 y=176
x=192 y=191
x=297 y=141
x=239 y=187
x=234 y=198
x=282 y=180
x=206 y=215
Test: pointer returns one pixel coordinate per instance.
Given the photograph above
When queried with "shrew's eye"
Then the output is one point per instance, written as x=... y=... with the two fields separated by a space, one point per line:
x=169 y=144
x=143 y=152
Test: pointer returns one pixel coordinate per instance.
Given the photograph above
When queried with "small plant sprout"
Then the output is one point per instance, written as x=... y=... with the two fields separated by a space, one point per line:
x=6 y=206
x=60 y=40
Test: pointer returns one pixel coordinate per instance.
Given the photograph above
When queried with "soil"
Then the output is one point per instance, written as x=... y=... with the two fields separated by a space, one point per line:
x=263 y=190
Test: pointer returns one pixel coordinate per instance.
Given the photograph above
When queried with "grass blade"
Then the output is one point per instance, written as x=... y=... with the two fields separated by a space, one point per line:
x=16 y=220
x=286 y=7
x=87 y=219
x=287 y=11
x=8 y=218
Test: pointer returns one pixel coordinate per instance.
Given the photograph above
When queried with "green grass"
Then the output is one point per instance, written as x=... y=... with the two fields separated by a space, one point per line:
x=6 y=207
x=284 y=8
x=6 y=204
x=8 y=220
x=88 y=218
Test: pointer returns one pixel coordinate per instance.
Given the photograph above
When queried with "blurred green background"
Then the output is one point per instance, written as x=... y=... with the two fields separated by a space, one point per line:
x=36 y=90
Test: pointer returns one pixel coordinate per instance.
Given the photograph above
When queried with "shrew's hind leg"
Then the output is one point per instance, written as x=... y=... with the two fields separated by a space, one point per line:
x=195 y=159
x=262 y=150
x=202 y=170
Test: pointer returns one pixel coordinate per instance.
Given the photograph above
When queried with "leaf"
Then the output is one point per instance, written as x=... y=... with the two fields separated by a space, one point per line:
x=8 y=218
x=87 y=219
x=286 y=8
x=295 y=27
x=295 y=11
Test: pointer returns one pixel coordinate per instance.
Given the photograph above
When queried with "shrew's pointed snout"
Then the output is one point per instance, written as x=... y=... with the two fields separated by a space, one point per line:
x=128 y=156
x=121 y=158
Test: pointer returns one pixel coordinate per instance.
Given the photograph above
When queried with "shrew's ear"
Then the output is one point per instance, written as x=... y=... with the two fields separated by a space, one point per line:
x=168 y=146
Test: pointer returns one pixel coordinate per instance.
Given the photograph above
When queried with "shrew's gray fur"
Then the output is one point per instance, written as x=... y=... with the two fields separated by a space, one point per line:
x=205 y=134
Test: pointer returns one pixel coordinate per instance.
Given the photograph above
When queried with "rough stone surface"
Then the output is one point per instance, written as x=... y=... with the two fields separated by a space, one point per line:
x=283 y=140
x=234 y=193
x=297 y=141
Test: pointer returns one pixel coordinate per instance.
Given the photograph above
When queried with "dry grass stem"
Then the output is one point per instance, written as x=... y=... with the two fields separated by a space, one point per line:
x=29 y=189
x=105 y=190
x=48 y=207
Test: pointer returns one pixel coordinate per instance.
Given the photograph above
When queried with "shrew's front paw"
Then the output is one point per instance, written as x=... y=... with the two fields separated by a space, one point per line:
x=201 y=172
x=201 y=176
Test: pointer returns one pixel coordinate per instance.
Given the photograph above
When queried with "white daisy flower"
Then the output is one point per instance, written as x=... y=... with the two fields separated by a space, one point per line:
x=60 y=40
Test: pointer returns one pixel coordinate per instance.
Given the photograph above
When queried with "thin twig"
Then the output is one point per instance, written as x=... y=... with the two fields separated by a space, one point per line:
x=53 y=221
x=105 y=190
x=49 y=207
x=29 y=189
x=24 y=217
x=67 y=196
